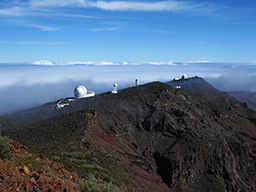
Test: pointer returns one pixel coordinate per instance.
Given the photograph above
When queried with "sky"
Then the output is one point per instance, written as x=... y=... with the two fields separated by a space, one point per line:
x=47 y=47
x=127 y=30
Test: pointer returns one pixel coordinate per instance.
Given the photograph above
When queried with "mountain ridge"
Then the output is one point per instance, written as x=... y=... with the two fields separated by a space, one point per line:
x=188 y=139
x=245 y=96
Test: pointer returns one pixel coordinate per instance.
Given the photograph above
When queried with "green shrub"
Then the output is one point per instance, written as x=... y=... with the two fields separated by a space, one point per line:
x=5 y=151
x=97 y=185
x=31 y=162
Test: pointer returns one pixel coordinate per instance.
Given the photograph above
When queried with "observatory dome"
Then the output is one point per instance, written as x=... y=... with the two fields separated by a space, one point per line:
x=80 y=92
x=184 y=76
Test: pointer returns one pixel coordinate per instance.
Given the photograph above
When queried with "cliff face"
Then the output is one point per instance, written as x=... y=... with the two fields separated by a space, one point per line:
x=155 y=136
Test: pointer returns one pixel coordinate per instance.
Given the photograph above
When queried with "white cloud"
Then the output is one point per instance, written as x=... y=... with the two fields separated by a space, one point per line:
x=171 y=5
x=156 y=63
x=171 y=63
x=106 y=63
x=74 y=16
x=106 y=29
x=42 y=62
x=81 y=63
x=13 y=11
x=26 y=10
x=29 y=23
x=57 y=3
x=141 y=6
x=125 y=63
x=43 y=27
x=198 y=61
x=39 y=43
x=88 y=63
x=161 y=63
x=45 y=8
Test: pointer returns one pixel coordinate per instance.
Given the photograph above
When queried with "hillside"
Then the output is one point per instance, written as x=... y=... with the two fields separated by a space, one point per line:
x=24 y=171
x=246 y=97
x=148 y=138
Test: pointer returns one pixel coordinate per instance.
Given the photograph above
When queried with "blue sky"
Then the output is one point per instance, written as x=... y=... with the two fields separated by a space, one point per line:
x=132 y=31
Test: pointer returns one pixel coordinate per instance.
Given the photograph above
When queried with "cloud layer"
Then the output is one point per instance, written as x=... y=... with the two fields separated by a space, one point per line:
x=171 y=5
x=141 y=6
x=34 y=7
x=29 y=86
x=27 y=13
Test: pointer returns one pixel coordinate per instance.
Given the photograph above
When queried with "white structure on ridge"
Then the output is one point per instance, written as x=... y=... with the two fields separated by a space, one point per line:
x=137 y=82
x=184 y=76
x=61 y=105
x=115 y=89
x=81 y=92
x=176 y=79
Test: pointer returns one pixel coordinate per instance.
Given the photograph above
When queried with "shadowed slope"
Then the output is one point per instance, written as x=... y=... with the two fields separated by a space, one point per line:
x=245 y=96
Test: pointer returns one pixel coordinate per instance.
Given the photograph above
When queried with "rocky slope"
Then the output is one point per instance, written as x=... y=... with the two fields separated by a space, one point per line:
x=149 y=138
x=27 y=172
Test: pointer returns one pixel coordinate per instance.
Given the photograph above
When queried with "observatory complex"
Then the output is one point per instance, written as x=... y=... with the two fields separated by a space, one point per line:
x=182 y=77
x=79 y=92
x=115 y=91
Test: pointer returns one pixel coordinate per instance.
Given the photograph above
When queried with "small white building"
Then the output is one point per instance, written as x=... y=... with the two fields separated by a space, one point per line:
x=81 y=92
x=61 y=105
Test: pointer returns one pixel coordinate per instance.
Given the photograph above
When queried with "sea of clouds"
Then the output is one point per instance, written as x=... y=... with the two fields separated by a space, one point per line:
x=29 y=85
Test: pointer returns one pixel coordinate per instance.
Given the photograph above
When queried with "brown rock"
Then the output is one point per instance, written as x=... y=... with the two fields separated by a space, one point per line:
x=32 y=180
x=26 y=170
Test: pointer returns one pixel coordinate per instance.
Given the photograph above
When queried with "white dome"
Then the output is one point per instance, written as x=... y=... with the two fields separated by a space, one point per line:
x=115 y=85
x=80 y=92
x=184 y=76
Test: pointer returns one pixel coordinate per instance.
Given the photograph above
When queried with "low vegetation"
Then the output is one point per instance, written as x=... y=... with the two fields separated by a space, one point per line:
x=95 y=184
x=97 y=172
x=5 y=151
x=31 y=162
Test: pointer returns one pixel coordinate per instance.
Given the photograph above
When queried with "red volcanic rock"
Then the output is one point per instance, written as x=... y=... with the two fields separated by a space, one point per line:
x=14 y=177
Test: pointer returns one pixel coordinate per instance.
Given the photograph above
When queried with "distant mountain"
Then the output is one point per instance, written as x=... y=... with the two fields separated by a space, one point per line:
x=153 y=137
x=246 y=97
x=198 y=85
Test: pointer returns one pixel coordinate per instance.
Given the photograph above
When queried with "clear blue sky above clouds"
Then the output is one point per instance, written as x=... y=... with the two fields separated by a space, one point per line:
x=128 y=30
